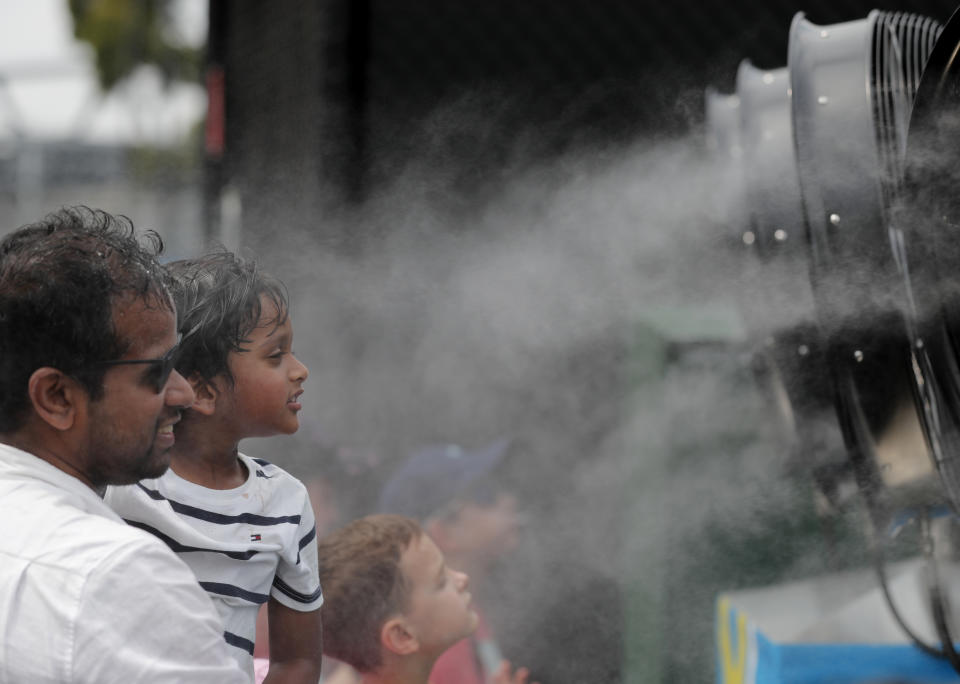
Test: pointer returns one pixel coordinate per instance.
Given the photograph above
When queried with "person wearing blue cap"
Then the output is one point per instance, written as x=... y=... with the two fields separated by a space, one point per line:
x=473 y=520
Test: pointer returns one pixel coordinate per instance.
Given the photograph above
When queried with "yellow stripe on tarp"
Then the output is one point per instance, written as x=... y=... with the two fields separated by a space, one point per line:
x=733 y=666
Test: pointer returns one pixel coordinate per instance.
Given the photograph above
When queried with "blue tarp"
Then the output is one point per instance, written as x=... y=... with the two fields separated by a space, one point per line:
x=746 y=656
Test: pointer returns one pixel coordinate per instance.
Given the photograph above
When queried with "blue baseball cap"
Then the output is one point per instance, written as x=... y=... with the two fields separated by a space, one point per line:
x=437 y=474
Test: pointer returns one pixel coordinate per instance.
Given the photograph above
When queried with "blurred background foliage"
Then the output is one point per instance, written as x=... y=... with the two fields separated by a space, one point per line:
x=125 y=35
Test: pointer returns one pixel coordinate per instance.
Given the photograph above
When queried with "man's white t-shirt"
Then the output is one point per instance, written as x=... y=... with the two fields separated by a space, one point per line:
x=85 y=598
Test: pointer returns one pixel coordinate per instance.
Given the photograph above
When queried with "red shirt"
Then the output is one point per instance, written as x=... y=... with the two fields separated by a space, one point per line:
x=459 y=663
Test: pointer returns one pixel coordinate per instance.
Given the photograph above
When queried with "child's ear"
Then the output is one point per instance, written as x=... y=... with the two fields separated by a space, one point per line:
x=397 y=638
x=205 y=392
x=54 y=397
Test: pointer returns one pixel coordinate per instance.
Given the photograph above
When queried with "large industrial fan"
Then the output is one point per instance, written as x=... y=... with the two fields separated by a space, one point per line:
x=850 y=144
x=852 y=90
x=856 y=240
x=778 y=305
x=750 y=133
x=817 y=149
x=926 y=222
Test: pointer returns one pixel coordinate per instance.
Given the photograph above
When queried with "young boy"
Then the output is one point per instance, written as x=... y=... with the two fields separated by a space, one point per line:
x=244 y=526
x=474 y=521
x=392 y=605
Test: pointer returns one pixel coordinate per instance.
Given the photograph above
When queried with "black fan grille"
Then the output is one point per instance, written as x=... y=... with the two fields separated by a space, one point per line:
x=902 y=43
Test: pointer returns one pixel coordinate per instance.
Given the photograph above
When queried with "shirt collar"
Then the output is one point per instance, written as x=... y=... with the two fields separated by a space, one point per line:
x=19 y=464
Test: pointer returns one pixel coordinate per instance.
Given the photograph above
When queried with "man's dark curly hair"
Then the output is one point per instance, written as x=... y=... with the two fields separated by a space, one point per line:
x=60 y=279
x=218 y=299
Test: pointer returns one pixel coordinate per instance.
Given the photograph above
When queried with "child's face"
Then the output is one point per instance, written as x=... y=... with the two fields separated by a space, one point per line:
x=268 y=379
x=439 y=609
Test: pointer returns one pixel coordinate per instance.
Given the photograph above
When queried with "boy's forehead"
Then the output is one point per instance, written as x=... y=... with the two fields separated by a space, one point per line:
x=273 y=315
x=270 y=307
x=422 y=559
x=272 y=331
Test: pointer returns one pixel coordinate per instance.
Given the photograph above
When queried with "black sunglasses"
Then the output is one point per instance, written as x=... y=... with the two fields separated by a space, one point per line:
x=160 y=369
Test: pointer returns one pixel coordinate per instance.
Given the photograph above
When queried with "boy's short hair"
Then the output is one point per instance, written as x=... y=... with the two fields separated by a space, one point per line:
x=363 y=585
x=218 y=300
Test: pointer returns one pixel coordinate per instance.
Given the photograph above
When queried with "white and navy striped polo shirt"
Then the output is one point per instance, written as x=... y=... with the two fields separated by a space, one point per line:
x=244 y=544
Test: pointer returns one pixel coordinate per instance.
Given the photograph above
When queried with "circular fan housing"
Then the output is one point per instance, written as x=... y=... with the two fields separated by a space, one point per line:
x=778 y=308
x=929 y=250
x=851 y=97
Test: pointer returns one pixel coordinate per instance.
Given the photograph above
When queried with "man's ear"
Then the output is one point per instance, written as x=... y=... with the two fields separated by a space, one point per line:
x=206 y=392
x=56 y=397
x=397 y=638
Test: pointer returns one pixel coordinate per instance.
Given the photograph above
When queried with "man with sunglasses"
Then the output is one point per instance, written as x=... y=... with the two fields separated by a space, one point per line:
x=88 y=398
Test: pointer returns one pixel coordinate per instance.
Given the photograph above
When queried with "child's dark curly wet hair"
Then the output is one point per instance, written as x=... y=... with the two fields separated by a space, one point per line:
x=219 y=299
